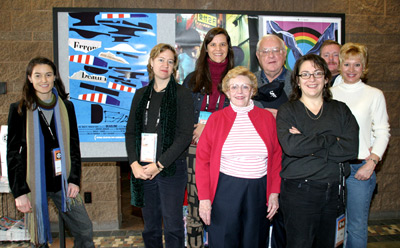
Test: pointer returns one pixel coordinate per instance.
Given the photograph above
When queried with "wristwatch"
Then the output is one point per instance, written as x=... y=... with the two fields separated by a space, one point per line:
x=159 y=167
x=373 y=160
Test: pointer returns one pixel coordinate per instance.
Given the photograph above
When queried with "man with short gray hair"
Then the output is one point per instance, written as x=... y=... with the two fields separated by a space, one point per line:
x=273 y=79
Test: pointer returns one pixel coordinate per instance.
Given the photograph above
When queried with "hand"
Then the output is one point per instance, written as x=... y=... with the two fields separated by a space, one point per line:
x=294 y=130
x=274 y=112
x=152 y=170
x=366 y=171
x=205 y=211
x=273 y=205
x=198 y=129
x=23 y=204
x=73 y=190
x=138 y=171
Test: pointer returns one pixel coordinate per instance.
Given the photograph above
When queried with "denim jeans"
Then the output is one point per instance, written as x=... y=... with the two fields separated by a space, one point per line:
x=77 y=222
x=163 y=198
x=359 y=194
x=310 y=210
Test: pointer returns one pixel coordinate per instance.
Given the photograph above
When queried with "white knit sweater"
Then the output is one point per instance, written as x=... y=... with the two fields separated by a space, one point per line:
x=368 y=106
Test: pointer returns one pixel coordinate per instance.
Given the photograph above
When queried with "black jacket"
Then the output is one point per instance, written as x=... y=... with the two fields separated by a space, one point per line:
x=183 y=131
x=17 y=151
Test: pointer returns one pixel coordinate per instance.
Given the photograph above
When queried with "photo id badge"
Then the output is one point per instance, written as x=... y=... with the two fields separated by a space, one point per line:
x=57 y=161
x=339 y=235
x=203 y=117
x=148 y=149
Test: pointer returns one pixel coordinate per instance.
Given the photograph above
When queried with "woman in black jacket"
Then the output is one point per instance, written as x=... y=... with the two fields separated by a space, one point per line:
x=43 y=155
x=158 y=132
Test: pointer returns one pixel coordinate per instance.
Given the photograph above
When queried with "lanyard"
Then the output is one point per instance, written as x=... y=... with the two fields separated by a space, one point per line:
x=146 y=113
x=47 y=124
x=208 y=102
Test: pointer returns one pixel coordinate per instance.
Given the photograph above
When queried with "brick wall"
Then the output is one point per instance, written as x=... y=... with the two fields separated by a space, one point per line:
x=26 y=31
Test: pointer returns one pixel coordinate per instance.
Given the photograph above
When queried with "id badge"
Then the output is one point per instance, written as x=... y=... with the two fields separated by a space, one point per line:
x=339 y=233
x=148 y=149
x=203 y=117
x=57 y=161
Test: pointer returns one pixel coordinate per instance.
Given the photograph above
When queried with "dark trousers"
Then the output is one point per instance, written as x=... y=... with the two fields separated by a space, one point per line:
x=163 y=198
x=238 y=215
x=76 y=220
x=310 y=210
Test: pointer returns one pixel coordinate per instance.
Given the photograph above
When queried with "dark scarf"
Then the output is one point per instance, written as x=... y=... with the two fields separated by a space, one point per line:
x=168 y=113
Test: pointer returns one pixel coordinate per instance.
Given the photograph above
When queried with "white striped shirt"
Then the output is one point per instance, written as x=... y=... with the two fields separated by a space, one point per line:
x=244 y=153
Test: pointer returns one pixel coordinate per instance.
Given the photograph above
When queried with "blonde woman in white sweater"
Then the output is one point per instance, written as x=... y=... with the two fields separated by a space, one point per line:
x=369 y=107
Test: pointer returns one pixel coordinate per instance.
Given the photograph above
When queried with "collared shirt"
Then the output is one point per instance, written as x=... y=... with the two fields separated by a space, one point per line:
x=280 y=78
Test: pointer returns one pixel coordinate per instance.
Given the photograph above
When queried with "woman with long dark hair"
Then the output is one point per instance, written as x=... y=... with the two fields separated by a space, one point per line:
x=215 y=60
x=43 y=155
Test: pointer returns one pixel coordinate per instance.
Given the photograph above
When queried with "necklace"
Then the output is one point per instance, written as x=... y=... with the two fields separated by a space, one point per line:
x=320 y=113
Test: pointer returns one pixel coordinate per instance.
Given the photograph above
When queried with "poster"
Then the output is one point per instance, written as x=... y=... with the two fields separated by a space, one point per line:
x=302 y=35
x=108 y=55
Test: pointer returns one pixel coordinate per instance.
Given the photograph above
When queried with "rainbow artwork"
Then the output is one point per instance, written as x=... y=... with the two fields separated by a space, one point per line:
x=302 y=37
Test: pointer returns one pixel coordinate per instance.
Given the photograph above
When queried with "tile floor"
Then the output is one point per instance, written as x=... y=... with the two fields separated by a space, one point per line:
x=382 y=233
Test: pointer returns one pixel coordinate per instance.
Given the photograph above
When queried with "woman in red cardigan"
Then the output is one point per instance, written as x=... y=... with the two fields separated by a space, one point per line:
x=238 y=160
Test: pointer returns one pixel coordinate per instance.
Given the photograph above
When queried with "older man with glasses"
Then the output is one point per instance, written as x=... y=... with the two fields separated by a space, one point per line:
x=273 y=78
x=273 y=90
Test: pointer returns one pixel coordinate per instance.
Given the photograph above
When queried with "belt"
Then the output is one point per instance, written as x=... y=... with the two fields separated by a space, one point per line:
x=356 y=161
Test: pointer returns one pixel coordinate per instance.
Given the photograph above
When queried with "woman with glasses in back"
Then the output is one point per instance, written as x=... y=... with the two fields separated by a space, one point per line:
x=318 y=135
x=238 y=160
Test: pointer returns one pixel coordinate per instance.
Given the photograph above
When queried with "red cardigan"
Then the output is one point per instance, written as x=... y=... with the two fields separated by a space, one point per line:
x=209 y=148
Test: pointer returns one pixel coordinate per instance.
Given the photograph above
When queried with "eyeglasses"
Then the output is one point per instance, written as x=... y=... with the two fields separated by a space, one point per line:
x=235 y=87
x=307 y=75
x=273 y=50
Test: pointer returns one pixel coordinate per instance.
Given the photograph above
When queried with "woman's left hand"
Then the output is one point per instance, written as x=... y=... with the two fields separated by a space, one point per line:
x=198 y=130
x=365 y=171
x=205 y=211
x=73 y=190
x=294 y=130
x=273 y=205
x=152 y=170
